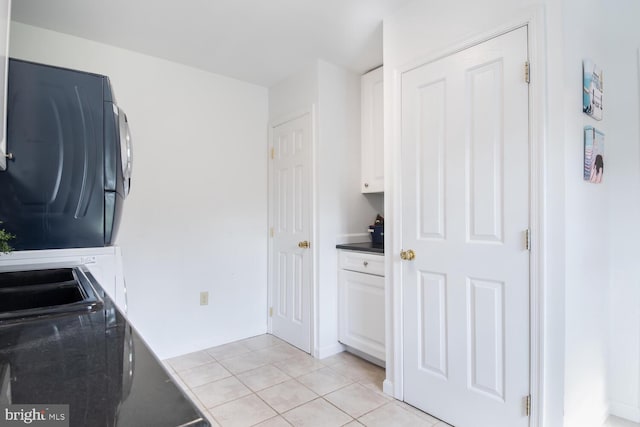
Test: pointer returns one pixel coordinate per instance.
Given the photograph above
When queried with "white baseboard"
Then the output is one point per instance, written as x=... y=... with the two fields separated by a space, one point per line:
x=329 y=350
x=595 y=416
x=387 y=387
x=365 y=356
x=623 y=410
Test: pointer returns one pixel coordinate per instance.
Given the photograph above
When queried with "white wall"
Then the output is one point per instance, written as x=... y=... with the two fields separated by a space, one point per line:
x=427 y=27
x=298 y=92
x=622 y=155
x=587 y=225
x=603 y=318
x=197 y=209
x=340 y=208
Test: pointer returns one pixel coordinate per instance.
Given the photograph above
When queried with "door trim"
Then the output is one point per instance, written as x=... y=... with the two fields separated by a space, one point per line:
x=533 y=19
x=313 y=314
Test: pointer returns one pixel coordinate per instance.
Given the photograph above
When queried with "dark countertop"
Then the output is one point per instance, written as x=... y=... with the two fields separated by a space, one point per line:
x=97 y=364
x=362 y=247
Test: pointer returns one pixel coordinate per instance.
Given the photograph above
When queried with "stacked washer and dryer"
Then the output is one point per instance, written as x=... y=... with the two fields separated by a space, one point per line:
x=68 y=173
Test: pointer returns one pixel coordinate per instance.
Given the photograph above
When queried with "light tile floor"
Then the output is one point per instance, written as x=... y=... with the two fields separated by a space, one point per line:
x=263 y=381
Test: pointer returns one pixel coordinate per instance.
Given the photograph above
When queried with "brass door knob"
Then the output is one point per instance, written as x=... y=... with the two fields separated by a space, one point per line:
x=408 y=255
x=304 y=244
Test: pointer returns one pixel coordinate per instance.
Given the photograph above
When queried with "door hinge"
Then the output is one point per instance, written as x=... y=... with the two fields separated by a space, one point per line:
x=271 y=232
x=527 y=239
x=270 y=311
x=273 y=153
x=527 y=72
x=528 y=405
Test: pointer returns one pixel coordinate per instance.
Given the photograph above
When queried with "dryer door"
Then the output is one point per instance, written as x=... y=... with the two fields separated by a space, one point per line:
x=52 y=190
x=117 y=187
x=126 y=153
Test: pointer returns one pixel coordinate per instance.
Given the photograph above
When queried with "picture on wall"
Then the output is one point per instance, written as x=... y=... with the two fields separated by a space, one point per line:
x=592 y=89
x=593 y=155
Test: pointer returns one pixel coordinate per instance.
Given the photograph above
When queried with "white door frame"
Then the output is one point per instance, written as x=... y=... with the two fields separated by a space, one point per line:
x=313 y=314
x=533 y=19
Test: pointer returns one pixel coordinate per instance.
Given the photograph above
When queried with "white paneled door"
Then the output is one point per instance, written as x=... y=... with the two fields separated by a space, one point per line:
x=465 y=204
x=291 y=252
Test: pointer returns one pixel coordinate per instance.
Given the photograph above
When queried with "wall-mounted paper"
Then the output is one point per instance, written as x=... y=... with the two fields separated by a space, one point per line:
x=593 y=155
x=592 y=89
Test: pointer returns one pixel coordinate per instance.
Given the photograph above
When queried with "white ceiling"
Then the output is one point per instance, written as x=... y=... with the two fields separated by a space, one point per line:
x=259 y=41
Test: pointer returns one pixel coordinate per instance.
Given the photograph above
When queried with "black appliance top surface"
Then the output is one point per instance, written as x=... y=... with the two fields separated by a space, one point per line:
x=96 y=363
x=363 y=247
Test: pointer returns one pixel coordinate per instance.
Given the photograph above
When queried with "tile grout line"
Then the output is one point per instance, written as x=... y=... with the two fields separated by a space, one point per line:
x=286 y=356
x=297 y=406
x=278 y=413
x=255 y=393
x=262 y=367
x=341 y=410
x=374 y=409
x=369 y=411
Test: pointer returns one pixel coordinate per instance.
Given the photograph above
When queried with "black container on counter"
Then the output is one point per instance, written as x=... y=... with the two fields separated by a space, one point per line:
x=377 y=234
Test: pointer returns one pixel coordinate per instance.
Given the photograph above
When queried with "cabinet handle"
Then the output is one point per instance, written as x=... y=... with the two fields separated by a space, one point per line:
x=365 y=263
x=366 y=185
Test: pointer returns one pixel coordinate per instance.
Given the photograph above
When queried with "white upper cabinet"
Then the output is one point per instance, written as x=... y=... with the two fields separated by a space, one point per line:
x=372 y=147
x=5 y=18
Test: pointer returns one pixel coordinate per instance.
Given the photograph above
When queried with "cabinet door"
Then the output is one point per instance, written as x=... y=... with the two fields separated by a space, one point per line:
x=372 y=143
x=361 y=312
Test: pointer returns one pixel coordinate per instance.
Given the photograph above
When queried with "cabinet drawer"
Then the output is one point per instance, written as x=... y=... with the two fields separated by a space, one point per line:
x=362 y=262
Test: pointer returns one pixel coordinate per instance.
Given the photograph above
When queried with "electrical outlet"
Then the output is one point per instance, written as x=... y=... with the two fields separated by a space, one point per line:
x=204 y=298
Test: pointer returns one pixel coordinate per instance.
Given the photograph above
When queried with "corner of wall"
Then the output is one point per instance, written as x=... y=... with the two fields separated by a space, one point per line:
x=625 y=411
x=329 y=350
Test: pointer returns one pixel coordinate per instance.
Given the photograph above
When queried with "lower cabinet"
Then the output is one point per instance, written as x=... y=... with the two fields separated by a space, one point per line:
x=361 y=302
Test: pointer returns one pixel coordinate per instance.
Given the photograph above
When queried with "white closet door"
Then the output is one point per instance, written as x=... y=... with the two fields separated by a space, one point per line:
x=465 y=196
